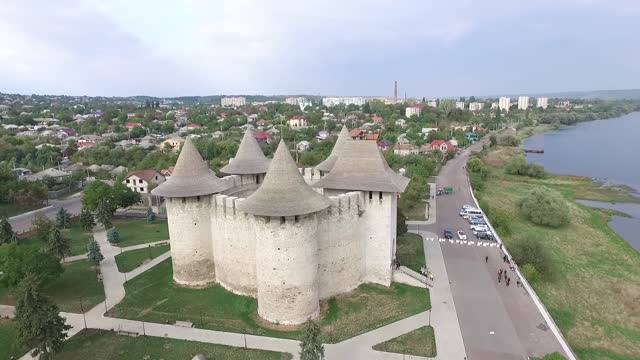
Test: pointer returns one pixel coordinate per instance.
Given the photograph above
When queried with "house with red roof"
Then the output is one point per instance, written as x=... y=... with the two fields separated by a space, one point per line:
x=442 y=145
x=193 y=126
x=85 y=144
x=373 y=137
x=263 y=137
x=385 y=145
x=376 y=118
x=142 y=181
x=356 y=134
x=132 y=124
x=168 y=172
x=262 y=122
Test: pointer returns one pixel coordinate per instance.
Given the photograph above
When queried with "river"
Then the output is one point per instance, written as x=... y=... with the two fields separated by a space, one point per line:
x=607 y=150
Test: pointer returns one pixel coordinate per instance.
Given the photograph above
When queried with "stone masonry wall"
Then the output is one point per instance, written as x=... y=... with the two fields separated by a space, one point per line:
x=190 y=237
x=234 y=244
x=287 y=268
x=340 y=256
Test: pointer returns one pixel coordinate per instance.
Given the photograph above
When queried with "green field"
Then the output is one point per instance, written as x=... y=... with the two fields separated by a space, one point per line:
x=410 y=251
x=419 y=342
x=105 y=345
x=134 y=231
x=153 y=297
x=8 y=344
x=8 y=210
x=77 y=288
x=416 y=212
x=594 y=295
x=78 y=237
x=130 y=260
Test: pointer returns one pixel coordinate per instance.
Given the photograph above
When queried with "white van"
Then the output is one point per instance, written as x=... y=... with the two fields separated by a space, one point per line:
x=473 y=211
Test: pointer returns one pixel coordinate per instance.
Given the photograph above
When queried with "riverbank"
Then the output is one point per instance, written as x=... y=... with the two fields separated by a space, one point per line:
x=593 y=292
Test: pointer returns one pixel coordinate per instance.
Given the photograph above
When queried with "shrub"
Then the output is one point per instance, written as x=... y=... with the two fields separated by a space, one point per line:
x=531 y=273
x=112 y=236
x=401 y=225
x=544 y=207
x=509 y=140
x=518 y=166
x=493 y=140
x=500 y=219
x=531 y=251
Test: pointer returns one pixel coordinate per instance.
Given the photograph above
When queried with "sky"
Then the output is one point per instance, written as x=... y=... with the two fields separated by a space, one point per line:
x=317 y=47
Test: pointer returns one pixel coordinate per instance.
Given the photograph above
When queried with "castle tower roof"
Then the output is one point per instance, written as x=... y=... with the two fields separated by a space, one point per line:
x=361 y=166
x=329 y=162
x=191 y=177
x=284 y=191
x=249 y=158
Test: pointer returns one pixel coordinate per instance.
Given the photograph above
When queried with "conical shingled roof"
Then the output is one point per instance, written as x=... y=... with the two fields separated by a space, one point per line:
x=361 y=166
x=284 y=191
x=249 y=158
x=328 y=164
x=191 y=177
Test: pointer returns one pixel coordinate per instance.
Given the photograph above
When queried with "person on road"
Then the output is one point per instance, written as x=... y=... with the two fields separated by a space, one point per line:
x=486 y=259
x=518 y=283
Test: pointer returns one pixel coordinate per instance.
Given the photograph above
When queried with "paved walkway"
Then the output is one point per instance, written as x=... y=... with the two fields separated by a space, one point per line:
x=444 y=318
x=120 y=250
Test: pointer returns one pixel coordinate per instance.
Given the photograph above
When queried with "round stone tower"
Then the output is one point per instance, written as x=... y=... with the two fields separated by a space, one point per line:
x=188 y=203
x=285 y=217
x=250 y=162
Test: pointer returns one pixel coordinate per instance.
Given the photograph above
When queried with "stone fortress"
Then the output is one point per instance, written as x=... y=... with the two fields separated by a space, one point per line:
x=286 y=236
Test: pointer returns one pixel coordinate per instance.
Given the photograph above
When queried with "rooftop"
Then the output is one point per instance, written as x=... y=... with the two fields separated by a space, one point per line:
x=328 y=164
x=284 y=191
x=249 y=158
x=192 y=176
x=361 y=166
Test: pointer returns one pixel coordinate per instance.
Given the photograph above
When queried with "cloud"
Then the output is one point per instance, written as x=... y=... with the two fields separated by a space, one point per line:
x=179 y=47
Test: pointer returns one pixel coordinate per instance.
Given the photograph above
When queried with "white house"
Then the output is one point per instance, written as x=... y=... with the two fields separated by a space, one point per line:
x=303 y=146
x=297 y=121
x=405 y=149
x=402 y=123
x=142 y=181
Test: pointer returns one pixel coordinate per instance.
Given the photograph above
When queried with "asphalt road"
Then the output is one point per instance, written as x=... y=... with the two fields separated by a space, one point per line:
x=497 y=322
x=73 y=205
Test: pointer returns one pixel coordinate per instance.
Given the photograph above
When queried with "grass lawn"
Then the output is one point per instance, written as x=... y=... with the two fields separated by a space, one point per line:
x=134 y=231
x=594 y=295
x=77 y=284
x=130 y=260
x=103 y=345
x=9 y=210
x=153 y=297
x=416 y=212
x=79 y=238
x=410 y=251
x=419 y=342
x=8 y=343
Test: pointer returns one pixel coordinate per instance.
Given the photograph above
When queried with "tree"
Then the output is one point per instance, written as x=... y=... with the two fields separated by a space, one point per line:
x=103 y=214
x=113 y=236
x=94 y=252
x=311 y=347
x=6 y=232
x=63 y=219
x=115 y=196
x=18 y=260
x=530 y=250
x=545 y=207
x=509 y=140
x=401 y=224
x=86 y=219
x=39 y=324
x=151 y=216
x=41 y=226
x=493 y=140
x=58 y=245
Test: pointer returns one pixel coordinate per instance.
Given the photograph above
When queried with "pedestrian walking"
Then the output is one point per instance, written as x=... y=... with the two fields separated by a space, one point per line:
x=508 y=281
x=504 y=258
x=499 y=278
x=486 y=259
x=431 y=276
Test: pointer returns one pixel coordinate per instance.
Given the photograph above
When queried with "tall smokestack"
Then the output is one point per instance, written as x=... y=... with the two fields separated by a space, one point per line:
x=395 y=91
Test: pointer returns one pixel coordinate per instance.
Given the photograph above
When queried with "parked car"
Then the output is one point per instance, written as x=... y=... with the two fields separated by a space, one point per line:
x=465 y=207
x=448 y=234
x=487 y=235
x=479 y=228
x=477 y=222
x=462 y=235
